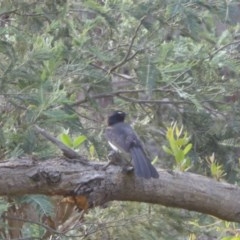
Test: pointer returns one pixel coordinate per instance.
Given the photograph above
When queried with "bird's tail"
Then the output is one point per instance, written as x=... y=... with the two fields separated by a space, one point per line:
x=142 y=165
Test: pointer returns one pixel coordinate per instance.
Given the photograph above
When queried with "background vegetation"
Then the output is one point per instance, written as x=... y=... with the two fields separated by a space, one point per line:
x=65 y=64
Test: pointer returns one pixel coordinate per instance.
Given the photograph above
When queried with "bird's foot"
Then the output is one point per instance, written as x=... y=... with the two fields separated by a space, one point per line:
x=117 y=159
x=114 y=159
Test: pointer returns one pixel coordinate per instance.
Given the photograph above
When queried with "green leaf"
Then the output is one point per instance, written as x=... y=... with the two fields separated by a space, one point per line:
x=173 y=145
x=169 y=133
x=187 y=149
x=185 y=164
x=167 y=150
x=155 y=160
x=65 y=138
x=92 y=150
x=179 y=156
x=175 y=68
x=78 y=141
x=231 y=238
x=58 y=115
x=148 y=74
x=182 y=142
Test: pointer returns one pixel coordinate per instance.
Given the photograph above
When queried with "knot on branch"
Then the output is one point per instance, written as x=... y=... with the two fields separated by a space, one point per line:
x=50 y=176
x=92 y=190
x=53 y=177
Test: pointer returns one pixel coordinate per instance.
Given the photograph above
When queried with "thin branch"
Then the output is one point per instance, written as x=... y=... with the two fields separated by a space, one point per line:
x=225 y=46
x=134 y=100
x=107 y=225
x=29 y=238
x=117 y=93
x=124 y=76
x=67 y=152
x=8 y=13
x=126 y=58
x=33 y=222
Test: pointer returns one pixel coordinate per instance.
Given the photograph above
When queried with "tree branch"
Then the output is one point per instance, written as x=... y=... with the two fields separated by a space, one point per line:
x=68 y=152
x=127 y=56
x=101 y=185
x=119 y=94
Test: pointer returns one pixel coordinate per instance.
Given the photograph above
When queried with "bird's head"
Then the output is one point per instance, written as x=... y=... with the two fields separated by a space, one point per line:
x=116 y=117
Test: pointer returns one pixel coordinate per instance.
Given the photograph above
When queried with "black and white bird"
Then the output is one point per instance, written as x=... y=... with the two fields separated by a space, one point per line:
x=122 y=138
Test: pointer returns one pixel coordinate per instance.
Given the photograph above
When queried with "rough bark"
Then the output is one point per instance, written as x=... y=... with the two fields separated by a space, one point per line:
x=68 y=177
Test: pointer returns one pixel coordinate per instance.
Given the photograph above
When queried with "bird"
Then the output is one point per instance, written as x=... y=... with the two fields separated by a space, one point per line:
x=122 y=138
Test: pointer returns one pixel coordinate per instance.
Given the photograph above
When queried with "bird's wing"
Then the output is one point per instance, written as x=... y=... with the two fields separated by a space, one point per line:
x=122 y=136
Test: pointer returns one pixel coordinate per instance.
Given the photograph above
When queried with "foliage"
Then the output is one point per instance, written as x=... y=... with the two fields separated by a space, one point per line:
x=66 y=64
x=216 y=170
x=179 y=147
x=72 y=143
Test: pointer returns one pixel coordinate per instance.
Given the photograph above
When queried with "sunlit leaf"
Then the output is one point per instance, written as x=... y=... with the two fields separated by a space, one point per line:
x=78 y=141
x=187 y=149
x=92 y=150
x=65 y=138
x=167 y=150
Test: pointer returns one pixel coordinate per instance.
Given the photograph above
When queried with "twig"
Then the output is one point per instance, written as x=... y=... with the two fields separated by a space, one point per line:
x=67 y=152
x=120 y=93
x=8 y=13
x=134 y=100
x=124 y=76
x=33 y=222
x=126 y=58
x=221 y=48
x=116 y=93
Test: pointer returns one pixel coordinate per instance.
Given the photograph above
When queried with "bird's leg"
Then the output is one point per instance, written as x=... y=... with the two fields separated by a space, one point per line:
x=113 y=158
x=116 y=158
